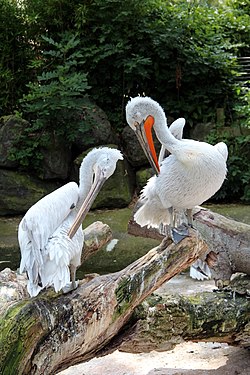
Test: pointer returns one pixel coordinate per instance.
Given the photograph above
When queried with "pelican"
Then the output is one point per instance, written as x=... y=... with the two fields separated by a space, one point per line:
x=192 y=173
x=50 y=234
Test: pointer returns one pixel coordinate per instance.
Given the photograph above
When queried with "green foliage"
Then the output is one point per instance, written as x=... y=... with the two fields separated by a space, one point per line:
x=181 y=53
x=54 y=102
x=14 y=54
x=237 y=184
x=242 y=105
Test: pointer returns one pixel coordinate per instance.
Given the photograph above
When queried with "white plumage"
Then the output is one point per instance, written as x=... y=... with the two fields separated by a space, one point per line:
x=192 y=173
x=188 y=177
x=49 y=254
x=182 y=183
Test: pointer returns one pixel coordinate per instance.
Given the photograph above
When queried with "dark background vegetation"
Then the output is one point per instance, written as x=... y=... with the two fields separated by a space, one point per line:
x=181 y=53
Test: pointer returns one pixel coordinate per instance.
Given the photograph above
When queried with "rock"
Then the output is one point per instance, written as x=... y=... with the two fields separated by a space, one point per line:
x=56 y=160
x=133 y=150
x=142 y=177
x=116 y=192
x=10 y=126
x=18 y=192
x=56 y=156
x=95 y=128
x=200 y=131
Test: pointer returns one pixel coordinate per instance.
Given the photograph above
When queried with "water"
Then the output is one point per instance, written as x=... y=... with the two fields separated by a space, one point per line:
x=123 y=249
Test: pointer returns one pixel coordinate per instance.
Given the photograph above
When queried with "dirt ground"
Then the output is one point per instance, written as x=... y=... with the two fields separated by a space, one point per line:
x=185 y=359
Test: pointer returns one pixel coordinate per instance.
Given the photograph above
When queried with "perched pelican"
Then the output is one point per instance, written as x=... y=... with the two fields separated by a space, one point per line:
x=50 y=234
x=192 y=173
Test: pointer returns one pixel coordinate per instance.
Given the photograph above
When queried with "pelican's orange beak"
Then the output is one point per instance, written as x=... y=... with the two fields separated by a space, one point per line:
x=144 y=135
x=148 y=124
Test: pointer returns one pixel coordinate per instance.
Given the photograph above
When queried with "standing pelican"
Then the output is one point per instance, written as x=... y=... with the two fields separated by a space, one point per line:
x=191 y=174
x=50 y=234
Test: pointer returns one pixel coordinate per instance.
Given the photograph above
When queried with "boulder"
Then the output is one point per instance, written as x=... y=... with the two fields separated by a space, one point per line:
x=133 y=150
x=18 y=192
x=201 y=131
x=56 y=160
x=95 y=129
x=142 y=176
x=56 y=156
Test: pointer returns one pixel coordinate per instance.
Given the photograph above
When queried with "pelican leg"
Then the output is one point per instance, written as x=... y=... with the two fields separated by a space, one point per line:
x=74 y=284
x=164 y=229
x=179 y=233
x=190 y=217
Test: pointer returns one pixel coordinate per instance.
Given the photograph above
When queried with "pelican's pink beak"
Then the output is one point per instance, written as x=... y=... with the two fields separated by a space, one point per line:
x=144 y=135
x=85 y=207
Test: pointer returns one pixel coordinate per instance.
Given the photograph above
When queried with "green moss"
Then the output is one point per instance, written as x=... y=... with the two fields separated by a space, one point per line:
x=20 y=328
x=11 y=343
x=124 y=296
x=142 y=177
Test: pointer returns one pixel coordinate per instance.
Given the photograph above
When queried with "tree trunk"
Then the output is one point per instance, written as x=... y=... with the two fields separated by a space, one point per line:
x=51 y=332
x=228 y=243
x=48 y=333
x=162 y=321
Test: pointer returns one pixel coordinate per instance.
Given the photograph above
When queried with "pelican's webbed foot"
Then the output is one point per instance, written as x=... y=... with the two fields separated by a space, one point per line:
x=70 y=287
x=179 y=233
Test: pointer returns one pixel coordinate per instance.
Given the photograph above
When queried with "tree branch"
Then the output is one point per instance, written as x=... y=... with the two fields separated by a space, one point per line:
x=51 y=332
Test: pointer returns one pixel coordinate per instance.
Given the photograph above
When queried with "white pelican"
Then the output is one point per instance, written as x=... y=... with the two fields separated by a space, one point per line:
x=192 y=173
x=50 y=234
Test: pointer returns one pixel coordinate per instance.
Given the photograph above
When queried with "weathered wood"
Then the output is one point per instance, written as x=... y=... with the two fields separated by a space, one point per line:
x=96 y=235
x=48 y=333
x=227 y=239
x=162 y=321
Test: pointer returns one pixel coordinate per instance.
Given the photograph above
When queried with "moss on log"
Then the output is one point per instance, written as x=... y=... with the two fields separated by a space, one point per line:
x=51 y=332
x=162 y=321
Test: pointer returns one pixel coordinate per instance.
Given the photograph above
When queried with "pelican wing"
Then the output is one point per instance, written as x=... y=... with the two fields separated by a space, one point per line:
x=39 y=224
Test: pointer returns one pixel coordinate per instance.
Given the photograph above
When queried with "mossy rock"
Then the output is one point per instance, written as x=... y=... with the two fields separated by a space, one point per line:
x=95 y=129
x=18 y=192
x=142 y=177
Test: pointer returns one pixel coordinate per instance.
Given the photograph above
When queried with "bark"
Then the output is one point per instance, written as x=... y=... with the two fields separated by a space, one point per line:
x=48 y=333
x=51 y=332
x=228 y=243
x=162 y=321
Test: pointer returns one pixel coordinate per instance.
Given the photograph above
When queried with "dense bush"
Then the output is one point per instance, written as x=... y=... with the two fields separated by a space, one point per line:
x=181 y=53
x=53 y=105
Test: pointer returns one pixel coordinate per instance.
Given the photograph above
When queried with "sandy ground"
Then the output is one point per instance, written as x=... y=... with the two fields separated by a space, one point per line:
x=185 y=359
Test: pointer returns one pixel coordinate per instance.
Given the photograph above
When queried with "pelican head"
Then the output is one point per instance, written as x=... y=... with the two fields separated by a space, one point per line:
x=103 y=161
x=141 y=115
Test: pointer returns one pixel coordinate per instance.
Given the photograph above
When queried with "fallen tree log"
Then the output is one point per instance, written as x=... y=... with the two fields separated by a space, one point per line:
x=163 y=320
x=227 y=239
x=48 y=333
x=51 y=332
